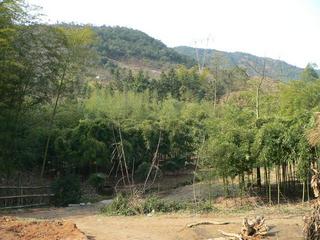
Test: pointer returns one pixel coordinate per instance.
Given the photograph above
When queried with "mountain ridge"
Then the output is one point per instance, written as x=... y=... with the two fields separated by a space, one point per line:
x=130 y=45
x=276 y=69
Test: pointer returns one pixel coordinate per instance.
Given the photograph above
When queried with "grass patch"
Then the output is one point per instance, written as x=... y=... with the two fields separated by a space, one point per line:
x=136 y=205
x=130 y=205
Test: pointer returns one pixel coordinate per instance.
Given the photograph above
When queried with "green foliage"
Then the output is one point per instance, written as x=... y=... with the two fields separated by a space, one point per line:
x=269 y=143
x=66 y=190
x=52 y=101
x=120 y=206
x=125 y=43
x=299 y=97
x=97 y=180
x=181 y=83
x=228 y=151
x=309 y=74
x=133 y=205
x=203 y=206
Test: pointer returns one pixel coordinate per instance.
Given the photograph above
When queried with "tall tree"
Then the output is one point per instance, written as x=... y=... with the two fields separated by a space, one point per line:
x=74 y=58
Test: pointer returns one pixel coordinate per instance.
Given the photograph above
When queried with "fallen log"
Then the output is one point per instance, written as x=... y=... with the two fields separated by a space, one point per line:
x=190 y=225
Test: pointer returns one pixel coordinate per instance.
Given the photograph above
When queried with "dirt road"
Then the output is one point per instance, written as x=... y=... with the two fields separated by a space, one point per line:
x=172 y=227
x=162 y=227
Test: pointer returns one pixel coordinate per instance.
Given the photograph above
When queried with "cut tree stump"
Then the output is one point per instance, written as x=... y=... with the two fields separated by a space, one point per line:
x=253 y=229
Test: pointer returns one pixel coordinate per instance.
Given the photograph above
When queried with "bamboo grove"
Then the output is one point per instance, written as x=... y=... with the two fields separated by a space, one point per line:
x=57 y=116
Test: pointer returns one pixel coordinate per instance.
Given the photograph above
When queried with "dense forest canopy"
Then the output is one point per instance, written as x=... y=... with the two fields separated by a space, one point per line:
x=57 y=116
x=122 y=43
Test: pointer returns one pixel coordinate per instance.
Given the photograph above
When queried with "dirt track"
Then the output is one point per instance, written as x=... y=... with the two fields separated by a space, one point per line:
x=172 y=227
x=162 y=227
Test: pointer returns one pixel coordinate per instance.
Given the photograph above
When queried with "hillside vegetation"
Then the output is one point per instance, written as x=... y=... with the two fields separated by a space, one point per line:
x=125 y=44
x=61 y=120
x=279 y=70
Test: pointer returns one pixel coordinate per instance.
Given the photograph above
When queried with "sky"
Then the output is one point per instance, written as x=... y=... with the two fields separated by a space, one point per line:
x=282 y=29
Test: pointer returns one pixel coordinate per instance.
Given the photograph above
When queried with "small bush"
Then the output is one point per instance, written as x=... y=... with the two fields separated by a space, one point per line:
x=66 y=190
x=163 y=206
x=135 y=205
x=120 y=206
x=203 y=207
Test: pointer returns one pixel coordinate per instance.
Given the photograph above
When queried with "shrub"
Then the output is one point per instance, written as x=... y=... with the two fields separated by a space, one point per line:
x=66 y=190
x=135 y=205
x=159 y=205
x=203 y=207
x=119 y=206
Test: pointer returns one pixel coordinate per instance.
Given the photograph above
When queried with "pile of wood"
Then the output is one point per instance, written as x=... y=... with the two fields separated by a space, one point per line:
x=312 y=223
x=252 y=229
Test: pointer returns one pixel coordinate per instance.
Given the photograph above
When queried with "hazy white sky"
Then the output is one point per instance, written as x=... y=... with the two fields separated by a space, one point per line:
x=285 y=29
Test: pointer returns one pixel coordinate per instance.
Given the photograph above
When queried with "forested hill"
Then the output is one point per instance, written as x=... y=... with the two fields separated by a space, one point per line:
x=276 y=69
x=125 y=44
x=133 y=46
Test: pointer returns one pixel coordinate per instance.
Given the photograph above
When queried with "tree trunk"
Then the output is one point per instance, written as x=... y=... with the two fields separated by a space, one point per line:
x=50 y=126
x=308 y=188
x=258 y=177
x=266 y=179
x=52 y=119
x=278 y=183
x=270 y=196
x=303 y=189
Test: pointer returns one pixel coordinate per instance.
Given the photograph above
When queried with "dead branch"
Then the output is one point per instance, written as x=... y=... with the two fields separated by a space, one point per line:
x=234 y=235
x=222 y=238
x=252 y=229
x=190 y=225
x=124 y=158
x=155 y=175
x=116 y=186
x=113 y=154
x=152 y=164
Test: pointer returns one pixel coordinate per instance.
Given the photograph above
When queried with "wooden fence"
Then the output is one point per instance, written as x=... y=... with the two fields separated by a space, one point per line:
x=24 y=196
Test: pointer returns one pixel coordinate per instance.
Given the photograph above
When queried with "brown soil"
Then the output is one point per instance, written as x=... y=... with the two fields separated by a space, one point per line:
x=285 y=222
x=14 y=229
x=173 y=227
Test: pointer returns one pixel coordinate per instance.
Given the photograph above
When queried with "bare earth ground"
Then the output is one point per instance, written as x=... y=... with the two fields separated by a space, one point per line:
x=13 y=228
x=286 y=222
